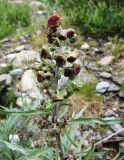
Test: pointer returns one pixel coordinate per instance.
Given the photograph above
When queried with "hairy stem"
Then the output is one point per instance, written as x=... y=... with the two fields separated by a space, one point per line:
x=55 y=114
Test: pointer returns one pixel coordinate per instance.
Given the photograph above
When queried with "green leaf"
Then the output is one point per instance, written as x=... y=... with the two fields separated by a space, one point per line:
x=36 y=153
x=23 y=113
x=14 y=147
x=101 y=121
x=117 y=156
x=89 y=152
x=69 y=138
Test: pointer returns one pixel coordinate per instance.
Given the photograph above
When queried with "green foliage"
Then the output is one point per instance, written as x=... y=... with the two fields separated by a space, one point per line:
x=88 y=91
x=99 y=18
x=11 y=17
x=118 y=45
x=122 y=89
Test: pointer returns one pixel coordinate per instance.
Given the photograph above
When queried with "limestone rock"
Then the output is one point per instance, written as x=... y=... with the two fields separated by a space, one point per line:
x=24 y=58
x=102 y=87
x=107 y=60
x=21 y=101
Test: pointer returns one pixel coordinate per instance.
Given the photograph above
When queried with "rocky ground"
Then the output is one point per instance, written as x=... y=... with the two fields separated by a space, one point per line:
x=18 y=81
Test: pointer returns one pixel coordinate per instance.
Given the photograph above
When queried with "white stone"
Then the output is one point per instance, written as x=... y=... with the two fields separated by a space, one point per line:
x=121 y=94
x=5 y=79
x=19 y=48
x=107 y=60
x=28 y=84
x=14 y=138
x=105 y=75
x=35 y=5
x=102 y=87
x=24 y=58
x=10 y=57
x=85 y=46
x=22 y=101
x=16 y=72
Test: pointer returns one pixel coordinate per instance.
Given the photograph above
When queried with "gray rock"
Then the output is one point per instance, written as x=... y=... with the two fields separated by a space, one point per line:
x=5 y=79
x=102 y=87
x=17 y=72
x=2 y=80
x=33 y=130
x=19 y=48
x=24 y=59
x=105 y=75
x=121 y=145
x=85 y=46
x=117 y=127
x=21 y=101
x=14 y=138
x=29 y=85
x=117 y=80
x=107 y=60
x=110 y=113
x=113 y=88
x=35 y=5
x=121 y=94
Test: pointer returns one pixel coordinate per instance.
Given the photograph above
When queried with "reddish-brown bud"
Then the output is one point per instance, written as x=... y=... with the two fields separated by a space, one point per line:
x=73 y=39
x=71 y=58
x=60 y=60
x=70 y=33
x=63 y=35
x=68 y=72
x=76 y=69
x=44 y=53
x=40 y=77
x=54 y=21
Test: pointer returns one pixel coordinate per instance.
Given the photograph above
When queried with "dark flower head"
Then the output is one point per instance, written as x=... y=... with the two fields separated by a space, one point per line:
x=73 y=39
x=40 y=76
x=70 y=33
x=71 y=58
x=60 y=60
x=63 y=35
x=54 y=21
x=68 y=72
x=44 y=53
x=76 y=69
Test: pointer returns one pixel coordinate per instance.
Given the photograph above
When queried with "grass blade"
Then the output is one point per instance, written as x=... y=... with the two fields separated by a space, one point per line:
x=69 y=138
x=23 y=113
x=101 y=121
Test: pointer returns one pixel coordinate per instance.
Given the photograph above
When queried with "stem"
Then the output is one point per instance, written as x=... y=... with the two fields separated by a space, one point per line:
x=55 y=114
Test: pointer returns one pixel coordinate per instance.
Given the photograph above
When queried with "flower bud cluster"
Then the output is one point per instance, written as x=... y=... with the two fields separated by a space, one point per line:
x=52 y=57
x=56 y=34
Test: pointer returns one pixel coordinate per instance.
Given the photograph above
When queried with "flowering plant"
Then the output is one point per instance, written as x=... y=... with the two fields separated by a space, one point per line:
x=57 y=64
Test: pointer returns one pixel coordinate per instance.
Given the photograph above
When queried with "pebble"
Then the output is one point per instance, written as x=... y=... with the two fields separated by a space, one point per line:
x=5 y=79
x=113 y=88
x=85 y=46
x=22 y=101
x=105 y=75
x=14 y=138
x=19 y=48
x=116 y=128
x=24 y=59
x=102 y=87
x=17 y=72
x=121 y=94
x=107 y=60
